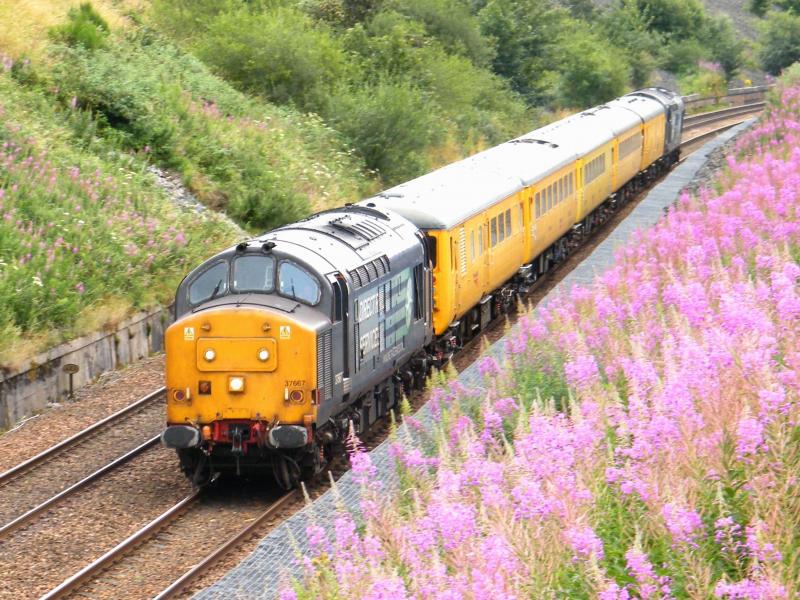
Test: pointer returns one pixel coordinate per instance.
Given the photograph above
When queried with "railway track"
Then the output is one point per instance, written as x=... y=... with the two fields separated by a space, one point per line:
x=696 y=121
x=190 y=538
x=184 y=531
x=39 y=482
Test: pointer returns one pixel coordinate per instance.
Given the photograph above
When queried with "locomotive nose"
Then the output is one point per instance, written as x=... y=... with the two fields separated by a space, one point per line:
x=241 y=365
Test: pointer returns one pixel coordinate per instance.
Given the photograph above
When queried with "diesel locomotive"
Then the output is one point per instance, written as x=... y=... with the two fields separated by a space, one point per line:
x=282 y=341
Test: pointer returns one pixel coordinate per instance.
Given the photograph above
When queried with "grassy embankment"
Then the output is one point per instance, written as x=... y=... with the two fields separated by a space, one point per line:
x=85 y=235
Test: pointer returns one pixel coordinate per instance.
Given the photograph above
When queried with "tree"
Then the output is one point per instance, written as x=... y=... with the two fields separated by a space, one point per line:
x=725 y=46
x=526 y=35
x=781 y=35
x=591 y=70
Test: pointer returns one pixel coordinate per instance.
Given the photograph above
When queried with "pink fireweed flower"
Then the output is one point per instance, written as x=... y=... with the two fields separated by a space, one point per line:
x=582 y=371
x=684 y=524
x=584 y=542
x=488 y=367
x=749 y=589
x=749 y=437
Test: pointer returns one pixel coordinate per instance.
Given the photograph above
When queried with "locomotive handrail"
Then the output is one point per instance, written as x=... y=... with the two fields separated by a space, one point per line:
x=45 y=454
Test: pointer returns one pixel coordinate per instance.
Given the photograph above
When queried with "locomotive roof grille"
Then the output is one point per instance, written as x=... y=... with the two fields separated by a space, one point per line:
x=369 y=230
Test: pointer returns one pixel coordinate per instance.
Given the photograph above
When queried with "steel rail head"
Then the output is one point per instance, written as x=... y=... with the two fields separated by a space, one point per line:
x=25 y=517
x=709 y=134
x=715 y=115
x=79 y=578
x=44 y=455
x=202 y=567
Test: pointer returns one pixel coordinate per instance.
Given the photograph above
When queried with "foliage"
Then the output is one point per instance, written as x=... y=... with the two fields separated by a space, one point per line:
x=280 y=54
x=591 y=69
x=83 y=239
x=780 y=41
x=264 y=166
x=709 y=80
x=451 y=24
x=525 y=34
x=686 y=487
x=390 y=124
x=84 y=27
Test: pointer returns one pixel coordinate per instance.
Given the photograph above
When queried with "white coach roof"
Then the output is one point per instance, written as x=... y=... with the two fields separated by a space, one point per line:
x=448 y=196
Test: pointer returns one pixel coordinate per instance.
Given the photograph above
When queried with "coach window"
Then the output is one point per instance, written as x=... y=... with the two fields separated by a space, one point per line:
x=254 y=274
x=560 y=190
x=508 y=222
x=549 y=197
x=295 y=282
x=472 y=246
x=538 y=205
x=494 y=231
x=501 y=227
x=210 y=284
x=480 y=240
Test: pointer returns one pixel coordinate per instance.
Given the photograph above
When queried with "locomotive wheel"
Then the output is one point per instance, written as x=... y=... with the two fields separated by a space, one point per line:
x=288 y=473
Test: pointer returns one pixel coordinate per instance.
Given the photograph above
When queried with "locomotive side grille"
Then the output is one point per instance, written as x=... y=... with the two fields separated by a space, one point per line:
x=356 y=278
x=370 y=271
x=362 y=270
x=325 y=366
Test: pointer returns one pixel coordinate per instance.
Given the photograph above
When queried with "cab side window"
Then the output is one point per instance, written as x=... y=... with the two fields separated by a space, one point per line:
x=295 y=282
x=210 y=284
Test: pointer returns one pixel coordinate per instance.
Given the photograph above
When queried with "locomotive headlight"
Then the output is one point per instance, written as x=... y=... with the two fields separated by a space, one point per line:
x=263 y=355
x=235 y=384
x=209 y=355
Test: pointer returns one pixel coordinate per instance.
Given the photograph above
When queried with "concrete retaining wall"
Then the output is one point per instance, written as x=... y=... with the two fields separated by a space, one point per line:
x=42 y=379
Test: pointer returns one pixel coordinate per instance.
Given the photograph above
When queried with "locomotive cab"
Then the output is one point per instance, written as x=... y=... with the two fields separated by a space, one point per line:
x=242 y=375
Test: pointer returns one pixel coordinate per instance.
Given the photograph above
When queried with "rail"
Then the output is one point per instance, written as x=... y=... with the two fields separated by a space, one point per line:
x=28 y=516
x=89 y=571
x=203 y=566
x=734 y=93
x=78 y=437
x=700 y=119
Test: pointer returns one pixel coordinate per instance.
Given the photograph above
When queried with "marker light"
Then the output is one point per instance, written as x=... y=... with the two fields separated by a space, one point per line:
x=296 y=396
x=263 y=355
x=236 y=384
x=210 y=355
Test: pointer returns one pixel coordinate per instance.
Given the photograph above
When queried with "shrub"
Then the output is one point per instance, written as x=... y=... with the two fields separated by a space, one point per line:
x=281 y=54
x=780 y=41
x=452 y=25
x=591 y=70
x=84 y=27
x=264 y=166
x=390 y=124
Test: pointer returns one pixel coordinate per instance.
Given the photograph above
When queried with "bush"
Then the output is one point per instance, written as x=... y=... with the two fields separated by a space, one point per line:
x=390 y=124
x=281 y=54
x=450 y=22
x=591 y=71
x=84 y=27
x=264 y=166
x=781 y=41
